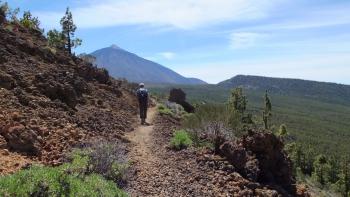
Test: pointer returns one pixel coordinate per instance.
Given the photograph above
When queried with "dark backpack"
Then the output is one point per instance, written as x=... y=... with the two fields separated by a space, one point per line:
x=142 y=94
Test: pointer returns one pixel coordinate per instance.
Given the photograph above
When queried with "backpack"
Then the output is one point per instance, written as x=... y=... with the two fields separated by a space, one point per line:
x=142 y=94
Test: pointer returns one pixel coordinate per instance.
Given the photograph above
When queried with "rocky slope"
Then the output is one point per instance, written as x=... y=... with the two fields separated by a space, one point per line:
x=50 y=101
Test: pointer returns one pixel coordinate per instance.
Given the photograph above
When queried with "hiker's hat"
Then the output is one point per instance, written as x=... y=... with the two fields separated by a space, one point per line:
x=141 y=84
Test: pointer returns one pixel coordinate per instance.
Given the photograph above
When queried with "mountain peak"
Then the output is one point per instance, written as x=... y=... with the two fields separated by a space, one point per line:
x=123 y=64
x=114 y=46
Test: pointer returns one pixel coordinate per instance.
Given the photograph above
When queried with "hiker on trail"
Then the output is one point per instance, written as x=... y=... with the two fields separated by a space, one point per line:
x=142 y=95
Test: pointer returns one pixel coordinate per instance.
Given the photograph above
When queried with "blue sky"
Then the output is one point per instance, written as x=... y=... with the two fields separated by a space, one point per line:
x=216 y=39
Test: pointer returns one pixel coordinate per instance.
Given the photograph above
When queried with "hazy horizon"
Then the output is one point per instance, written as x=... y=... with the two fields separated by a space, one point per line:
x=215 y=40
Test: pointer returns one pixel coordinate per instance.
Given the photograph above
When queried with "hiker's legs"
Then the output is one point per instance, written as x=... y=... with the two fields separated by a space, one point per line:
x=143 y=113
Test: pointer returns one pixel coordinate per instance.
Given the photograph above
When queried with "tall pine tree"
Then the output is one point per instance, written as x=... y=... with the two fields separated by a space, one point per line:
x=68 y=30
x=267 y=111
x=344 y=181
x=238 y=101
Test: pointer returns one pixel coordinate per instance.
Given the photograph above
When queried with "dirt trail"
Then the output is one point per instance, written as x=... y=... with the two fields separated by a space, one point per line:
x=157 y=171
x=141 y=138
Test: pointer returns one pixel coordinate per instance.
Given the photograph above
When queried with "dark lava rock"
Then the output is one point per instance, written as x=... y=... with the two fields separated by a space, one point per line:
x=179 y=96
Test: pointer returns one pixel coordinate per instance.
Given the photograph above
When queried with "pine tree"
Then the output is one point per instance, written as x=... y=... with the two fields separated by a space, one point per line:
x=238 y=101
x=4 y=8
x=344 y=181
x=283 y=130
x=347 y=178
x=68 y=30
x=3 y=12
x=237 y=104
x=320 y=168
x=13 y=15
x=9 y=13
x=334 y=170
x=267 y=111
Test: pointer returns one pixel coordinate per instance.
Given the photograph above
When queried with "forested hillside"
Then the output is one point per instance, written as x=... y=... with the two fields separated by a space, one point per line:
x=319 y=117
x=322 y=91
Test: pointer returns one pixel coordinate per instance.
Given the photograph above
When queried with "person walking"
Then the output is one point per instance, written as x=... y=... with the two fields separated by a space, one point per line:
x=142 y=95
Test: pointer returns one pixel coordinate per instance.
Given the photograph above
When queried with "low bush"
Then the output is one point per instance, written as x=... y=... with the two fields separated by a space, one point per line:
x=30 y=22
x=211 y=123
x=163 y=110
x=70 y=179
x=212 y=113
x=180 y=140
x=108 y=159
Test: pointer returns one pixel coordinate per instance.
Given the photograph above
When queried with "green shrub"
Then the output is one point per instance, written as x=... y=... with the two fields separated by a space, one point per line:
x=163 y=110
x=211 y=113
x=69 y=179
x=180 y=140
x=56 y=39
x=30 y=22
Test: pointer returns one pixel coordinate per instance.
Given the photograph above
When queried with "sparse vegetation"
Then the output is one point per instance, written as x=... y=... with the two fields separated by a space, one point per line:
x=95 y=170
x=30 y=22
x=70 y=179
x=163 y=110
x=180 y=140
x=108 y=159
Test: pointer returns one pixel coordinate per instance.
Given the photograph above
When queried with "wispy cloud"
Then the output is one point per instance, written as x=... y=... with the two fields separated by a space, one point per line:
x=242 y=40
x=306 y=18
x=185 y=14
x=167 y=55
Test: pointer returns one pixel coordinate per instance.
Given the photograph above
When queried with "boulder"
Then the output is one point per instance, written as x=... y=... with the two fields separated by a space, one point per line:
x=6 y=81
x=259 y=157
x=64 y=92
x=274 y=163
x=179 y=96
x=245 y=163
x=20 y=138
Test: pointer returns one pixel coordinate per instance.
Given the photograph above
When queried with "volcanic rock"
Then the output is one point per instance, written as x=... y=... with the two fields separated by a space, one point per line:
x=48 y=100
x=179 y=96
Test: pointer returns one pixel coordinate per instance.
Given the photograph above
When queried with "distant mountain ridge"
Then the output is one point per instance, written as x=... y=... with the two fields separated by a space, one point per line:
x=123 y=64
x=295 y=87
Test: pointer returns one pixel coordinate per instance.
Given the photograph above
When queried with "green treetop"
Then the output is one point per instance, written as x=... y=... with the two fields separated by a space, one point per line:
x=68 y=30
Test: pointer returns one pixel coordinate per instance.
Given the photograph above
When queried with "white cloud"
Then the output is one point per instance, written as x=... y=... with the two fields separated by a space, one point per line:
x=239 y=40
x=167 y=55
x=185 y=14
x=309 y=18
